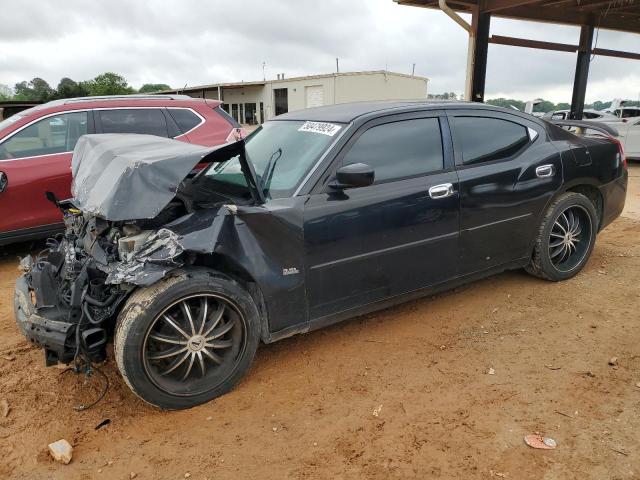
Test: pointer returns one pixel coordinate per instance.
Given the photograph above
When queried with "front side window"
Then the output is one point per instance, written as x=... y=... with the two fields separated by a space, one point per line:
x=150 y=121
x=281 y=153
x=485 y=139
x=402 y=149
x=51 y=135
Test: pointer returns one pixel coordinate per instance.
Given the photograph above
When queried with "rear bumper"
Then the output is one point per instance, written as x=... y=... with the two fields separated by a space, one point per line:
x=614 y=195
x=52 y=335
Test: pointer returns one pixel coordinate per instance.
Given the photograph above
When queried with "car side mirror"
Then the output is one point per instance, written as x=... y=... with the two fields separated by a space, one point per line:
x=354 y=175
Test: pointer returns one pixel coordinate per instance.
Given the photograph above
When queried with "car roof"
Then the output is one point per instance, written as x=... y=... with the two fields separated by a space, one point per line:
x=115 y=101
x=97 y=98
x=348 y=112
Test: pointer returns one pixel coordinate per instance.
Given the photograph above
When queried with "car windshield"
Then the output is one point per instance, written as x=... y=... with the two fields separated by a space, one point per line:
x=282 y=153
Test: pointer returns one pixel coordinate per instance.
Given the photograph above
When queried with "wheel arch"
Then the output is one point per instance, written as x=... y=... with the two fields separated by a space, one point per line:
x=585 y=186
x=594 y=195
x=228 y=267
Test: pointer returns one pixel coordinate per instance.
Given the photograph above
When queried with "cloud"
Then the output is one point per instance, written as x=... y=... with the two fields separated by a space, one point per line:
x=193 y=42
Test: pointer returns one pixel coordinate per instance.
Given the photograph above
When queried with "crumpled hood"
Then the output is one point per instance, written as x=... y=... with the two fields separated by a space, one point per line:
x=131 y=176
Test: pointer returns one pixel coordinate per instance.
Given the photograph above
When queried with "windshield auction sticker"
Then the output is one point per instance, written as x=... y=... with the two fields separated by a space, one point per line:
x=320 y=127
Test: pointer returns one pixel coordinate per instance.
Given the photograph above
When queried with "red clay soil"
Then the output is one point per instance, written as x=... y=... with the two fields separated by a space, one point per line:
x=404 y=393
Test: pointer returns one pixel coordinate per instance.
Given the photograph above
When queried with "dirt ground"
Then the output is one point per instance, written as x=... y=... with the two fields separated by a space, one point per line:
x=404 y=393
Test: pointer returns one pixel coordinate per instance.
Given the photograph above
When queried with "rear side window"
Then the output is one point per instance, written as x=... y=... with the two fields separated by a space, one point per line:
x=144 y=120
x=485 y=139
x=227 y=117
x=407 y=148
x=186 y=119
x=55 y=134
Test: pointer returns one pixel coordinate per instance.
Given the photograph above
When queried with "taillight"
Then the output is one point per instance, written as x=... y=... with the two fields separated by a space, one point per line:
x=236 y=134
x=623 y=158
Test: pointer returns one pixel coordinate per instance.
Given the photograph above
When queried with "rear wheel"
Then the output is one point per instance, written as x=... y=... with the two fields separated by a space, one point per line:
x=565 y=239
x=187 y=339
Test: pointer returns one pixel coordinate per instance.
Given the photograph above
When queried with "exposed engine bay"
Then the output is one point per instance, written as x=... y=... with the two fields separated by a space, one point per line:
x=78 y=283
x=70 y=293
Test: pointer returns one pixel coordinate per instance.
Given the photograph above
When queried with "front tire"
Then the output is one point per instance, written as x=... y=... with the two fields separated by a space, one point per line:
x=565 y=239
x=187 y=339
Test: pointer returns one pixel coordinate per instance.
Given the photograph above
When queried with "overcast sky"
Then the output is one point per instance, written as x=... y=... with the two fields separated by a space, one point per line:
x=197 y=42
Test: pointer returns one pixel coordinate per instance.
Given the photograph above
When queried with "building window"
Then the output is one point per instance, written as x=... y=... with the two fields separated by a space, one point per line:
x=281 y=100
x=250 y=114
x=234 y=112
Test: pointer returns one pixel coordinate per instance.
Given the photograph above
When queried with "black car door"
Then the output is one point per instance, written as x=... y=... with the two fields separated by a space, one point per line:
x=508 y=171
x=369 y=243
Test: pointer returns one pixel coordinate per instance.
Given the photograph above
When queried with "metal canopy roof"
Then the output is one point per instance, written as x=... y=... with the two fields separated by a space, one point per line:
x=621 y=15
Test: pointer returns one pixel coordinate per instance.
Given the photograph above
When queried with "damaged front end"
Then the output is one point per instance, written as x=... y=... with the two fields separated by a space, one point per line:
x=62 y=302
x=127 y=226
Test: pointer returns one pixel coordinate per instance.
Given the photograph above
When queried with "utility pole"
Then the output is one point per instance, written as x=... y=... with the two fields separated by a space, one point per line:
x=413 y=70
x=337 y=66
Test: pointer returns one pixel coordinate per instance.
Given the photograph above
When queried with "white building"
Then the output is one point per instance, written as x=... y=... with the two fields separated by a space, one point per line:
x=251 y=103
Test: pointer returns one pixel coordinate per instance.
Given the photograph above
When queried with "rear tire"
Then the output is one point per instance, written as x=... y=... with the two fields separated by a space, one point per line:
x=187 y=339
x=565 y=239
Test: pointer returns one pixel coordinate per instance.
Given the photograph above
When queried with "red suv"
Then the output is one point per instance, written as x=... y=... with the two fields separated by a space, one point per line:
x=36 y=147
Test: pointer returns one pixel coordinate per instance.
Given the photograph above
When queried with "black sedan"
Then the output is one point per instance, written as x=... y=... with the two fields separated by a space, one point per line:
x=189 y=257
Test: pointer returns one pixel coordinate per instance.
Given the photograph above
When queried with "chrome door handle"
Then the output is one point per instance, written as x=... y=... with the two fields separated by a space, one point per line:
x=443 y=190
x=544 y=171
x=3 y=181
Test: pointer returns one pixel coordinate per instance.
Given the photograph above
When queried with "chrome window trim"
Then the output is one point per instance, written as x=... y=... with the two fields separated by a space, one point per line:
x=321 y=159
x=202 y=119
x=62 y=112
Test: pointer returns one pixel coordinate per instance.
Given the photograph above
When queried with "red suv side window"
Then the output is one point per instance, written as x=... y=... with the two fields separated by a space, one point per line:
x=185 y=118
x=54 y=134
x=143 y=120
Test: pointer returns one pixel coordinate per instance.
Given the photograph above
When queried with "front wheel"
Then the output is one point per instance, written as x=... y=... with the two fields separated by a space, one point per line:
x=565 y=239
x=186 y=339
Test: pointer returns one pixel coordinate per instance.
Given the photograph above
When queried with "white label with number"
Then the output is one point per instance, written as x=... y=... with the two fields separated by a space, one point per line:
x=320 y=127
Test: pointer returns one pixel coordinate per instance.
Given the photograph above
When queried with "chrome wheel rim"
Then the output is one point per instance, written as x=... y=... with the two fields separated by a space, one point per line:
x=570 y=238
x=194 y=344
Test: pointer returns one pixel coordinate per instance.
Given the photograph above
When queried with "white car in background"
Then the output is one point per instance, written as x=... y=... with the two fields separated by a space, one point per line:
x=588 y=114
x=629 y=135
x=618 y=109
x=627 y=112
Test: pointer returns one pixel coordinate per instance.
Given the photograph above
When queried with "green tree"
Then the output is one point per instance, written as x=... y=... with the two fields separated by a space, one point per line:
x=506 y=103
x=5 y=92
x=544 y=106
x=153 y=87
x=68 y=88
x=108 y=83
x=36 y=89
